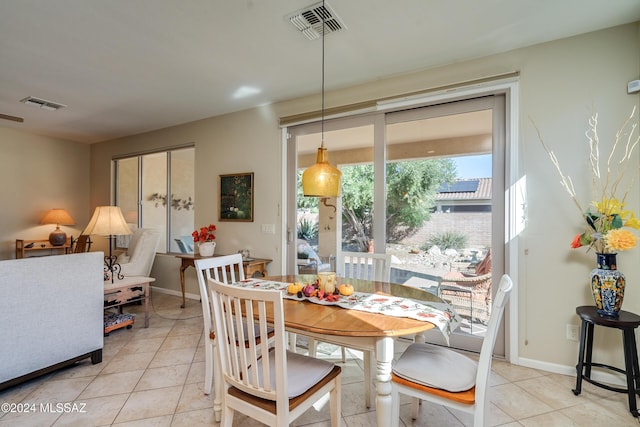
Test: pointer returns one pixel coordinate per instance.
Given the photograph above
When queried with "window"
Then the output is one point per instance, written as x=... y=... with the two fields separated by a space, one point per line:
x=156 y=190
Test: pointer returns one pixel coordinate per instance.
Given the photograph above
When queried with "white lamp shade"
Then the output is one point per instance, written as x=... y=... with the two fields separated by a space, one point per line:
x=107 y=221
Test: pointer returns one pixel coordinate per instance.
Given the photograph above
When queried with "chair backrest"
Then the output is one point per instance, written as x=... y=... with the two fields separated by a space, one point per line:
x=251 y=368
x=486 y=351
x=185 y=244
x=141 y=253
x=363 y=265
x=226 y=269
x=484 y=266
x=82 y=244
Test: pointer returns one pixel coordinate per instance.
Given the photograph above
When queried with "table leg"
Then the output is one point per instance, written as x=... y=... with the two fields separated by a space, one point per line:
x=183 y=267
x=631 y=363
x=146 y=305
x=580 y=365
x=384 y=357
x=367 y=370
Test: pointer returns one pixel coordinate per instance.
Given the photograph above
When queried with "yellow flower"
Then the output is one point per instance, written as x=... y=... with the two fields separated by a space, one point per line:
x=633 y=222
x=610 y=207
x=620 y=240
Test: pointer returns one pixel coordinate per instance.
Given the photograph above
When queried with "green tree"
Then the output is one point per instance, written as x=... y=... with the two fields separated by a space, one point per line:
x=411 y=193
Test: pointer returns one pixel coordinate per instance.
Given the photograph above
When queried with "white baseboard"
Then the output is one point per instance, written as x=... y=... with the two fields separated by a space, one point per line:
x=176 y=293
x=597 y=374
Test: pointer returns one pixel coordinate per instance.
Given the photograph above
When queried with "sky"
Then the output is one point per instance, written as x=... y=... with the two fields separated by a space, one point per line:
x=473 y=166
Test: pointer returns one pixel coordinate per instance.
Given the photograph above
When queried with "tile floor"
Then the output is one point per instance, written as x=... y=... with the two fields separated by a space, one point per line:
x=154 y=377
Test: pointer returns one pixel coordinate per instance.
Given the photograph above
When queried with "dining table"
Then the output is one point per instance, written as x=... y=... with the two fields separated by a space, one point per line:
x=361 y=329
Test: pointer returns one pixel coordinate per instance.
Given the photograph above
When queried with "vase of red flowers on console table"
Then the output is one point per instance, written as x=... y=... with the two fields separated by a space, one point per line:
x=205 y=238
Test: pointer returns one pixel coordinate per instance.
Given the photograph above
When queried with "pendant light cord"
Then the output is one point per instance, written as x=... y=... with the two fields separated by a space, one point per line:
x=322 y=117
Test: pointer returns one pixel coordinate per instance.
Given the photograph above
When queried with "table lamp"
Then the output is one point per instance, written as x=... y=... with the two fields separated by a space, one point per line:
x=58 y=217
x=108 y=221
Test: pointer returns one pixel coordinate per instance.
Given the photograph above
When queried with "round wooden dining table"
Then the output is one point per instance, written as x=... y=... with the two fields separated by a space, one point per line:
x=358 y=329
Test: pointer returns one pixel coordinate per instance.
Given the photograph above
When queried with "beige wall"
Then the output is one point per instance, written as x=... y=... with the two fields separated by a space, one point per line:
x=560 y=82
x=38 y=174
x=248 y=141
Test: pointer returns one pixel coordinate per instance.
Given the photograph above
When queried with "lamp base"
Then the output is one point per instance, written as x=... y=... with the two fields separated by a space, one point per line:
x=57 y=237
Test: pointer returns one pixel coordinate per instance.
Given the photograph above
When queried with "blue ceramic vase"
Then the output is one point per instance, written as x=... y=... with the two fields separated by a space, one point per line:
x=607 y=286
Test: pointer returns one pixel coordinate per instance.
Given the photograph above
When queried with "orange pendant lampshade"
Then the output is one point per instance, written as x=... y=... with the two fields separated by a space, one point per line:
x=321 y=179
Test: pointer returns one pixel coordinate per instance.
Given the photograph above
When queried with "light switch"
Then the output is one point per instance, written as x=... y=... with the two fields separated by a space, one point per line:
x=269 y=228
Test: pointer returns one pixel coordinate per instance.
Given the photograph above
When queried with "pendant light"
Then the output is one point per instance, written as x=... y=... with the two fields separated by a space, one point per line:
x=321 y=179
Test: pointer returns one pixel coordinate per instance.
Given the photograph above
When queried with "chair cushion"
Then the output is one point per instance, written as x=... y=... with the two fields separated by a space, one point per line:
x=437 y=367
x=123 y=258
x=303 y=372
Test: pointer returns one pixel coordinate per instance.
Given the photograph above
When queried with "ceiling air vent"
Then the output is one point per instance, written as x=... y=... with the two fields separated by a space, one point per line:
x=309 y=20
x=42 y=103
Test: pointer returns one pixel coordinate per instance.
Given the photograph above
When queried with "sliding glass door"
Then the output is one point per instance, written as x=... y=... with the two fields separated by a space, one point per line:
x=425 y=185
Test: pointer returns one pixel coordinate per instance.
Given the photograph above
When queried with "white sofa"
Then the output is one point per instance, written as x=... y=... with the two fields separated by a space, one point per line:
x=52 y=314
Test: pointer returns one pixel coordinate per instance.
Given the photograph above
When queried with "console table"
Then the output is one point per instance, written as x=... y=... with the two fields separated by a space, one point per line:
x=253 y=267
x=37 y=247
x=128 y=290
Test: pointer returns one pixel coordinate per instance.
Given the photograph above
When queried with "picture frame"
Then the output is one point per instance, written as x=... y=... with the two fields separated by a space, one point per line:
x=236 y=197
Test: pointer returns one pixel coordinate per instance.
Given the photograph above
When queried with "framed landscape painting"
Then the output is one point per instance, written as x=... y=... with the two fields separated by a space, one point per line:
x=236 y=197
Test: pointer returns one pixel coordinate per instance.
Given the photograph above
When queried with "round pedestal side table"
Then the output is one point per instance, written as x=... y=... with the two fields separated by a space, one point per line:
x=626 y=322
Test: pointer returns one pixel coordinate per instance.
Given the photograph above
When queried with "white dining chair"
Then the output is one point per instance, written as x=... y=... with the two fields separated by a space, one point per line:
x=366 y=266
x=227 y=269
x=446 y=377
x=271 y=385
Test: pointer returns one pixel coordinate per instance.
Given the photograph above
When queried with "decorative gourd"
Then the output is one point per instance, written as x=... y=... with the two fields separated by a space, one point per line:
x=309 y=291
x=294 y=288
x=345 y=289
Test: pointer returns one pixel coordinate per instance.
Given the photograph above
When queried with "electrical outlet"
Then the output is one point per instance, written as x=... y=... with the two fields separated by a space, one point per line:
x=572 y=332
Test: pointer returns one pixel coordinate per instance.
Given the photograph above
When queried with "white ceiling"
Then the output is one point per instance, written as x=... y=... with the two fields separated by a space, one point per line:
x=124 y=67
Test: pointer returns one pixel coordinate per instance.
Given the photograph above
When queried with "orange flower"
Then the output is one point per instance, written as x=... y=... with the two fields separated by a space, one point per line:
x=576 y=241
x=620 y=240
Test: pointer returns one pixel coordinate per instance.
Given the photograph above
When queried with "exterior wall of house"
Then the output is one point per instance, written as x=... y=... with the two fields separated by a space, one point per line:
x=476 y=226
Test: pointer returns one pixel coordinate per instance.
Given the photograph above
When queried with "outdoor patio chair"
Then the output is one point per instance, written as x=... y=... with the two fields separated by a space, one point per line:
x=469 y=295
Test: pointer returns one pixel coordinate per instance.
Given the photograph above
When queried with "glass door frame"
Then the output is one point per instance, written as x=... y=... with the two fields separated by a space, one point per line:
x=511 y=184
x=496 y=104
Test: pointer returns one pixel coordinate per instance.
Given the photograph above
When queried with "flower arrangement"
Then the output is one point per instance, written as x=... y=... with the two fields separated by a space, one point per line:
x=606 y=222
x=204 y=234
